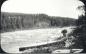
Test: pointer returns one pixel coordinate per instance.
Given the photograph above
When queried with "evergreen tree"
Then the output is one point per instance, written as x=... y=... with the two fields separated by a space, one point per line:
x=80 y=31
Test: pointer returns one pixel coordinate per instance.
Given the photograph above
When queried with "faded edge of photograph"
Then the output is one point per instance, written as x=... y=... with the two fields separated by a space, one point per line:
x=43 y=26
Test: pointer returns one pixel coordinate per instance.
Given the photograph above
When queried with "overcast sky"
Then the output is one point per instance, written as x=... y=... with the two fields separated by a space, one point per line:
x=64 y=8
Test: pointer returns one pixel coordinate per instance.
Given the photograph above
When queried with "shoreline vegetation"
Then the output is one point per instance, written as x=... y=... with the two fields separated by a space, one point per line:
x=14 y=22
x=19 y=21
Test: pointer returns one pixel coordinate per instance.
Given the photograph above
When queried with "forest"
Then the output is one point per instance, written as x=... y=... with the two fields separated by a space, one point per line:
x=80 y=31
x=20 y=21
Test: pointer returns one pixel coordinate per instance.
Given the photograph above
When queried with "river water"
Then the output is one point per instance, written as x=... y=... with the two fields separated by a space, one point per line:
x=12 y=41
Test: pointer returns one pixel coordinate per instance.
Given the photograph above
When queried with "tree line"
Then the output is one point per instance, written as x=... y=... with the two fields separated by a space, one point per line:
x=16 y=21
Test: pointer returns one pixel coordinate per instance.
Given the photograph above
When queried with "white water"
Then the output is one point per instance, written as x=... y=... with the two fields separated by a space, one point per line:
x=12 y=41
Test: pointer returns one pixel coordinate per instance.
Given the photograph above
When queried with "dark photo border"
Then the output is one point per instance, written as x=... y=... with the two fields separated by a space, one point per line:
x=1 y=2
x=80 y=22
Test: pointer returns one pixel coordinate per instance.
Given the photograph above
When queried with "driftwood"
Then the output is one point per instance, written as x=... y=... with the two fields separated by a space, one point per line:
x=54 y=44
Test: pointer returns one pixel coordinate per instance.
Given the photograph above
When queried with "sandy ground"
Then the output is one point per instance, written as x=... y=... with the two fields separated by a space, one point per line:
x=12 y=41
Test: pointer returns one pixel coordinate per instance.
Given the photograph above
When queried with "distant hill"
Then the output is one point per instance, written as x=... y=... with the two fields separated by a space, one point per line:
x=19 y=21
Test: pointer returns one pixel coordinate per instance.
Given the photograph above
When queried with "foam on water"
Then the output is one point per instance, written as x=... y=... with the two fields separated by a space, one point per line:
x=12 y=41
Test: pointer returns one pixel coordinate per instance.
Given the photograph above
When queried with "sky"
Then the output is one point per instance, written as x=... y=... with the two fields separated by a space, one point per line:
x=63 y=8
